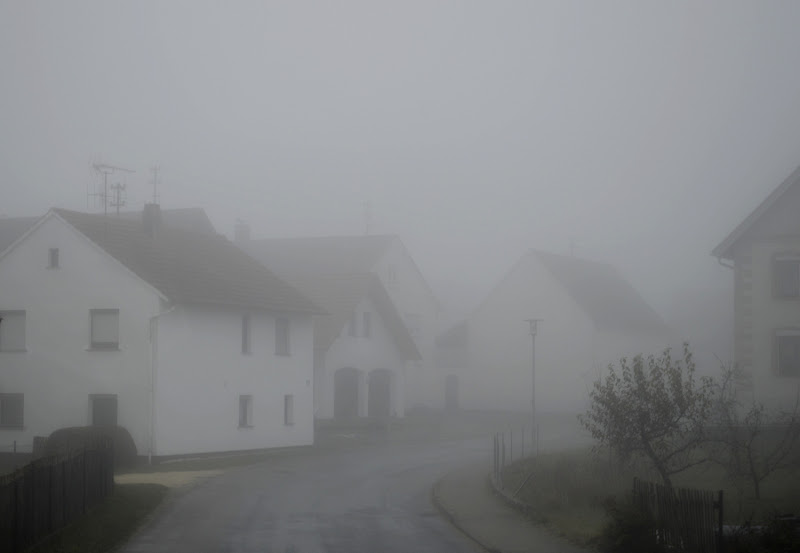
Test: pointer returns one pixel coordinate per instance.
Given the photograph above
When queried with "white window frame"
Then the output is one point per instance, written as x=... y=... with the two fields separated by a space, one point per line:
x=95 y=397
x=7 y=316
x=786 y=258
x=247 y=334
x=245 y=411
x=283 y=343
x=53 y=258
x=102 y=346
x=16 y=422
x=776 y=355
x=288 y=409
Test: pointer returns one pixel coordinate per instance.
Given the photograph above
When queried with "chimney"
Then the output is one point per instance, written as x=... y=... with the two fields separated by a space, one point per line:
x=241 y=233
x=151 y=219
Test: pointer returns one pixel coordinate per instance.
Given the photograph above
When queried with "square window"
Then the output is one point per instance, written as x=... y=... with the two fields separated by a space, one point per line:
x=367 y=323
x=12 y=330
x=788 y=353
x=282 y=336
x=52 y=259
x=104 y=329
x=786 y=270
x=288 y=409
x=12 y=409
x=245 y=333
x=245 y=411
x=103 y=409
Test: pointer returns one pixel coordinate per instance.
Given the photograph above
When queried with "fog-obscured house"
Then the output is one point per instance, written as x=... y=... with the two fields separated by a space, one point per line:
x=176 y=335
x=361 y=347
x=765 y=253
x=591 y=316
x=299 y=259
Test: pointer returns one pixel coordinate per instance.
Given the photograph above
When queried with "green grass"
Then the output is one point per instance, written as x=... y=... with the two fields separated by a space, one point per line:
x=109 y=524
x=568 y=490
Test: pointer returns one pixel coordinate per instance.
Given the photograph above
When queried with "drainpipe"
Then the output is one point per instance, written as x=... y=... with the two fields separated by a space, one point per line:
x=153 y=371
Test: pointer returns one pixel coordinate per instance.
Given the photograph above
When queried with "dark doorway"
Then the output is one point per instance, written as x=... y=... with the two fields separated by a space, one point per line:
x=345 y=393
x=104 y=409
x=451 y=393
x=380 y=393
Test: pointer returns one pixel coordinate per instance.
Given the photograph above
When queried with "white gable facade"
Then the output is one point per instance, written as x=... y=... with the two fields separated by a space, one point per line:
x=173 y=378
x=363 y=372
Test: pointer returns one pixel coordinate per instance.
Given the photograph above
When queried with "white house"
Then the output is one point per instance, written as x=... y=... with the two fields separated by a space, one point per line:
x=361 y=347
x=765 y=253
x=387 y=258
x=176 y=335
x=590 y=317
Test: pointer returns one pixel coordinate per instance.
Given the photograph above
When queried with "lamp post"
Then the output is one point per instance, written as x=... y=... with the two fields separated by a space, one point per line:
x=532 y=324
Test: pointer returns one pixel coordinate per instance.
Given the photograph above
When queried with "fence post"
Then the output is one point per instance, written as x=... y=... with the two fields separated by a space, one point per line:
x=522 y=444
x=83 y=458
x=721 y=538
x=511 y=444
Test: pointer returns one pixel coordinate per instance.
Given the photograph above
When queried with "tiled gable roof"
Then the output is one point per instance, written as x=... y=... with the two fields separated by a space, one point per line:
x=190 y=267
x=609 y=300
x=340 y=295
x=330 y=255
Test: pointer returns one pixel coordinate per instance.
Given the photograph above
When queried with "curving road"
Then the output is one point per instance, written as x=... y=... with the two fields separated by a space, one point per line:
x=369 y=499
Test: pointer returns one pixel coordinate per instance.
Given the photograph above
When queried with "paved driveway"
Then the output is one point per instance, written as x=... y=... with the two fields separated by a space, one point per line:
x=369 y=499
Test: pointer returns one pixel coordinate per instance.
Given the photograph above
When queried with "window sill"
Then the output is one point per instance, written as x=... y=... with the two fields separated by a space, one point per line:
x=13 y=351
x=103 y=349
x=283 y=354
x=11 y=427
x=245 y=427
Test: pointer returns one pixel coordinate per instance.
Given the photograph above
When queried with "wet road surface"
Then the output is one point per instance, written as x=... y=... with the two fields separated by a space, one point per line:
x=369 y=499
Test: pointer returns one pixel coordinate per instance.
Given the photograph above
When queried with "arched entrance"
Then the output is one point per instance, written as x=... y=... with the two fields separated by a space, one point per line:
x=380 y=393
x=345 y=393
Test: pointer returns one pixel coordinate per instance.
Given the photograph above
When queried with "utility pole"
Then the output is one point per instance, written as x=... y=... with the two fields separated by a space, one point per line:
x=155 y=181
x=532 y=327
x=118 y=200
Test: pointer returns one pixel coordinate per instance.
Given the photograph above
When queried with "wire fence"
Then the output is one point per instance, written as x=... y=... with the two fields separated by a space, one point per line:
x=512 y=445
x=47 y=493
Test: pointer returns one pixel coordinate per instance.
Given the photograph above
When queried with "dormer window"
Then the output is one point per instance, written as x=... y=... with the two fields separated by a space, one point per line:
x=52 y=259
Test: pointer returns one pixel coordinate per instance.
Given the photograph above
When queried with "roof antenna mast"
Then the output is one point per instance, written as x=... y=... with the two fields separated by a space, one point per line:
x=105 y=170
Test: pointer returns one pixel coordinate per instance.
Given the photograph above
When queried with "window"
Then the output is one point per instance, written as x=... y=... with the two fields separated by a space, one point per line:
x=352 y=326
x=103 y=409
x=245 y=411
x=788 y=352
x=787 y=276
x=104 y=328
x=282 y=336
x=12 y=410
x=12 y=330
x=245 y=333
x=367 y=324
x=288 y=409
x=52 y=258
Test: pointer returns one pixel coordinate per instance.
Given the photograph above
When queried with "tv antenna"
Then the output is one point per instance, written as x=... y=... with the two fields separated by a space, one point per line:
x=105 y=170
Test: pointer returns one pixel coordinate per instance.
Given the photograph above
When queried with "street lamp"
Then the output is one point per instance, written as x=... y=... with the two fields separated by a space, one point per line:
x=532 y=324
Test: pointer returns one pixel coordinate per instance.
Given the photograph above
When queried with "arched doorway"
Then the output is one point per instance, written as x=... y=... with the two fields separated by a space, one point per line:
x=345 y=393
x=380 y=393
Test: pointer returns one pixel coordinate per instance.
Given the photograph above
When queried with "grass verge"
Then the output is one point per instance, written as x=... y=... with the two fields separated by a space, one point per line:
x=568 y=490
x=109 y=524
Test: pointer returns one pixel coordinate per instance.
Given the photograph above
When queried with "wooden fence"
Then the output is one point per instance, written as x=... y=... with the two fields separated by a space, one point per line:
x=48 y=493
x=685 y=519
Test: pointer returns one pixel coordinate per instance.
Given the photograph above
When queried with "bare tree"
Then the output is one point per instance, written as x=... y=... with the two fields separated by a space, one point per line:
x=755 y=441
x=655 y=408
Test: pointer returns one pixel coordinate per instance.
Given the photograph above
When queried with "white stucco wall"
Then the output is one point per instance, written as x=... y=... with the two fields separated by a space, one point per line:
x=58 y=371
x=202 y=372
x=768 y=315
x=499 y=371
x=365 y=354
x=412 y=297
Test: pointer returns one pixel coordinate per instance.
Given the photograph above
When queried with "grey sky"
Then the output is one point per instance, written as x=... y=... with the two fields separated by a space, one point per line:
x=643 y=130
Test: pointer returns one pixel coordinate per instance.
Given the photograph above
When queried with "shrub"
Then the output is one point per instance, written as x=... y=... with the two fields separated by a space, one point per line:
x=628 y=530
x=65 y=440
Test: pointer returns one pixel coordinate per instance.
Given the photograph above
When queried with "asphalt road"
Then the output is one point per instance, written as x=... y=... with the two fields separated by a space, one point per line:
x=369 y=499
